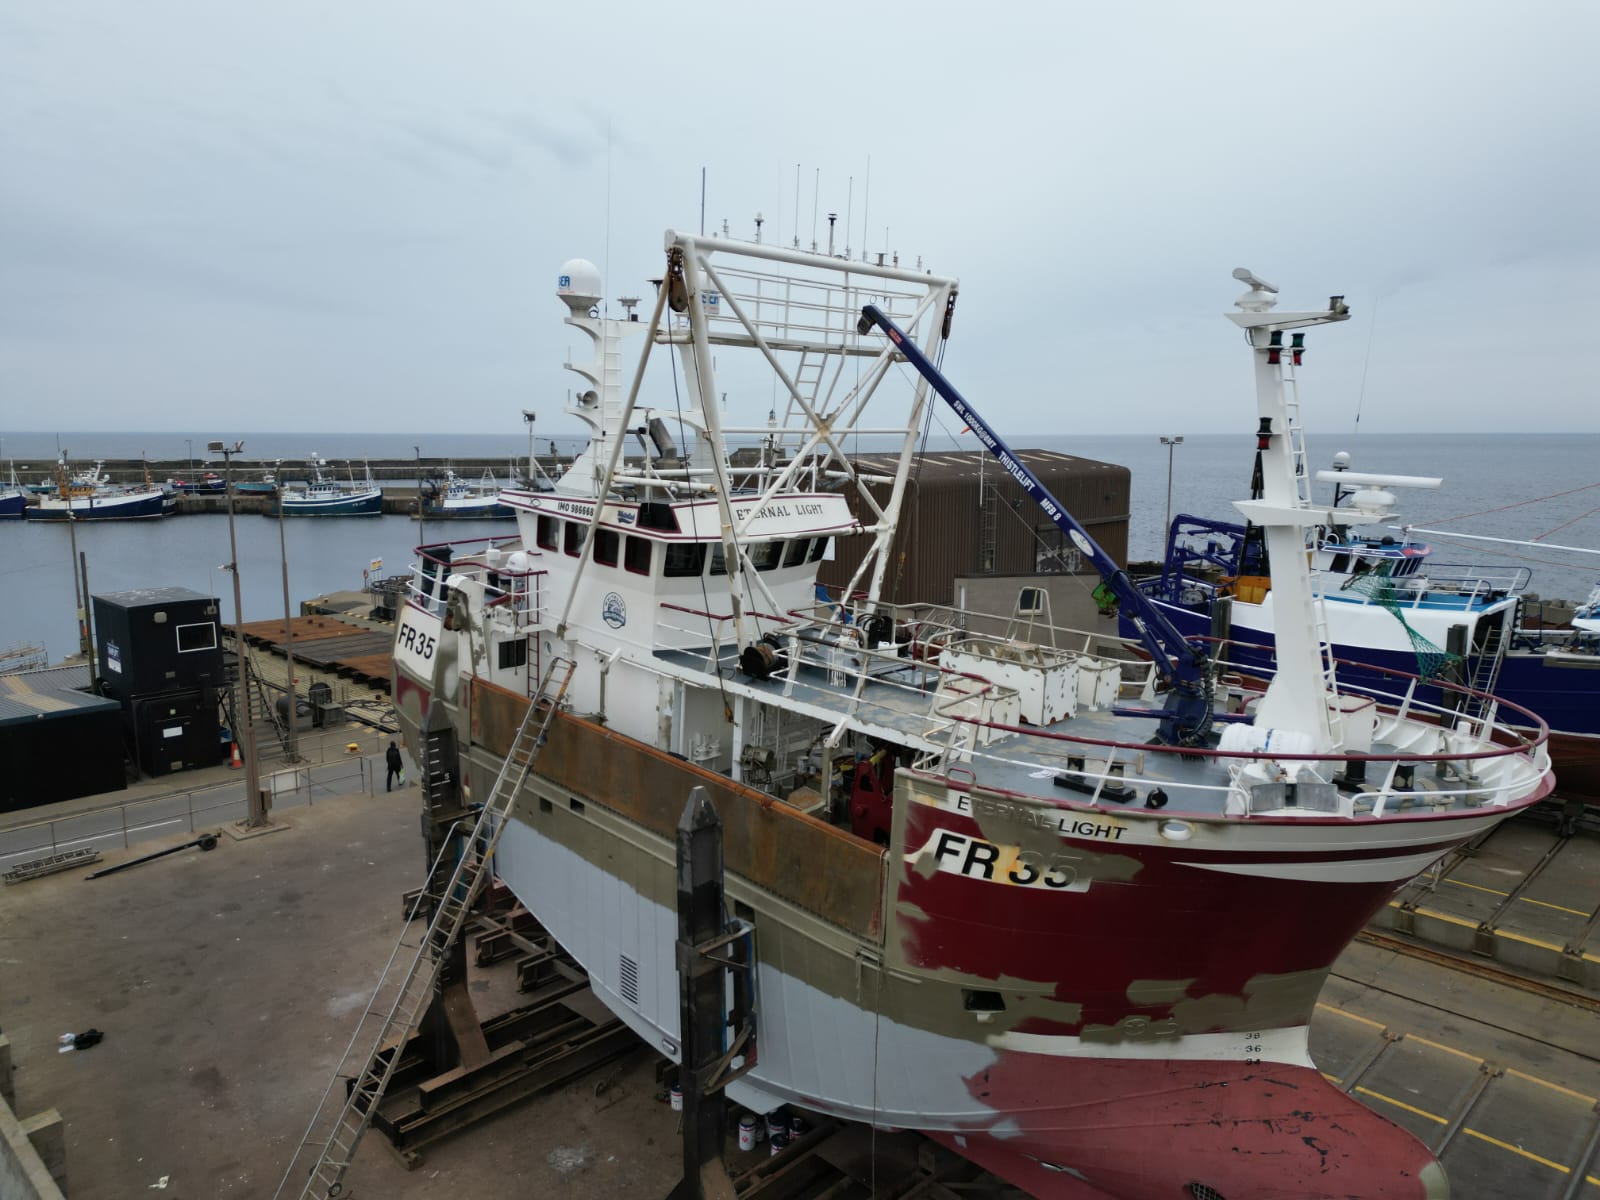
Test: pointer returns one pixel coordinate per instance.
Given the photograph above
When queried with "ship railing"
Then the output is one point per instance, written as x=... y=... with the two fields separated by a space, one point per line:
x=1474 y=762
x=518 y=593
x=819 y=311
x=723 y=648
x=1448 y=586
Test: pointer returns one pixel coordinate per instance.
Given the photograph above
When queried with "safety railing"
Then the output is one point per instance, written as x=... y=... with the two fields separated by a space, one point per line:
x=122 y=824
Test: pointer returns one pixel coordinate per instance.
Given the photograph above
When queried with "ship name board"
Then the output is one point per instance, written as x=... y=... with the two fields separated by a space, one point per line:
x=768 y=512
x=1067 y=824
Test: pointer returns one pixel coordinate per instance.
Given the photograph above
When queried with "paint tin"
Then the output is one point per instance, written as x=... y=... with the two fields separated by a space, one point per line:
x=677 y=1099
x=777 y=1123
x=747 y=1133
x=780 y=1143
x=797 y=1126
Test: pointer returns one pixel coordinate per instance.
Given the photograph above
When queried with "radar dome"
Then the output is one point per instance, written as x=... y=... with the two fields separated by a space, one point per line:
x=578 y=284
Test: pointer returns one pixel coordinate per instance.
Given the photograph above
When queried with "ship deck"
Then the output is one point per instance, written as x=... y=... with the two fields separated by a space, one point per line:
x=900 y=701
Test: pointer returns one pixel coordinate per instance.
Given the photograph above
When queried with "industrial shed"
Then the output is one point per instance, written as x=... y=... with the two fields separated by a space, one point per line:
x=57 y=741
x=965 y=516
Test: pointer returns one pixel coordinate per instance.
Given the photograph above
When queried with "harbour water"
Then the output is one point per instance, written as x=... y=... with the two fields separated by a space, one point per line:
x=1526 y=486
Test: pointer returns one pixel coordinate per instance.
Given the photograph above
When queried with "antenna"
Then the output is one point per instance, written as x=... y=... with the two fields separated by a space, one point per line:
x=832 y=217
x=797 y=207
x=758 y=228
x=815 y=192
x=849 y=204
x=702 y=202
x=866 y=207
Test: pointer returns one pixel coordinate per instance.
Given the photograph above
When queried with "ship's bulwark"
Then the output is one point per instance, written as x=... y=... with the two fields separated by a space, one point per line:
x=1075 y=1076
x=798 y=858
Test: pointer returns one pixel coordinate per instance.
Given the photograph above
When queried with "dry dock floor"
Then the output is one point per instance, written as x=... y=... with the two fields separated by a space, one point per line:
x=226 y=984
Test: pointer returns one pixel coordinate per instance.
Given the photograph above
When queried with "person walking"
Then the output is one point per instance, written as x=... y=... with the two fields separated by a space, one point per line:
x=397 y=768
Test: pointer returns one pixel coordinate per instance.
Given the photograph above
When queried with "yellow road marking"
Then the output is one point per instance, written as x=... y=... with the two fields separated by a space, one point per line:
x=1412 y=1037
x=1410 y=1108
x=1478 y=887
x=1554 y=1087
x=1422 y=1041
x=1528 y=1154
x=1529 y=941
x=1353 y=1016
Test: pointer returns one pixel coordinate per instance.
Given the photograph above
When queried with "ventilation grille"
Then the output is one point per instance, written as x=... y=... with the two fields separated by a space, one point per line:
x=1201 y=1191
x=630 y=980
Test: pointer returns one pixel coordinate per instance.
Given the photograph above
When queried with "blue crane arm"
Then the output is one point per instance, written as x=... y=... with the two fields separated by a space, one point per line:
x=1184 y=666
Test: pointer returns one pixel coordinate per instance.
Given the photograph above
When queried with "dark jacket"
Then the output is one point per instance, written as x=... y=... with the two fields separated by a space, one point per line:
x=396 y=763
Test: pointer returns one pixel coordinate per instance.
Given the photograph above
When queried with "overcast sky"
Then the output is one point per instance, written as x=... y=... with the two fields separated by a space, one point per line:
x=341 y=216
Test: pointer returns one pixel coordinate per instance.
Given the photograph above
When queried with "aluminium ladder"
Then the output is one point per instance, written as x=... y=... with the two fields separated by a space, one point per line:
x=412 y=972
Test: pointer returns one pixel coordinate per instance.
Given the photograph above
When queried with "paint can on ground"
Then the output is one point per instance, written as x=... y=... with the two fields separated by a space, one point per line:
x=677 y=1099
x=747 y=1133
x=780 y=1143
x=777 y=1123
x=797 y=1126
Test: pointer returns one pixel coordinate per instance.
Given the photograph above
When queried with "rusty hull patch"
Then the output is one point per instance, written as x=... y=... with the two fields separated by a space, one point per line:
x=805 y=861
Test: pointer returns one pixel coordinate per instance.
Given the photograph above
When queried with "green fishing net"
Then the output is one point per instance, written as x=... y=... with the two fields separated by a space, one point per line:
x=1432 y=662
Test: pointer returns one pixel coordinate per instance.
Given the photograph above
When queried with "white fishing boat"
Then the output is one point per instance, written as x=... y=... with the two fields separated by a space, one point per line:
x=1067 y=913
x=454 y=498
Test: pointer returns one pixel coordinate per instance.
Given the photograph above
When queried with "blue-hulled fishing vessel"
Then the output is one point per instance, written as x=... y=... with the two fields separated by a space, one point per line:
x=325 y=496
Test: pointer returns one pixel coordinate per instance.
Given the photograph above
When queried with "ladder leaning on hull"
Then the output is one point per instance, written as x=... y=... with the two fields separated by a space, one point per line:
x=400 y=1000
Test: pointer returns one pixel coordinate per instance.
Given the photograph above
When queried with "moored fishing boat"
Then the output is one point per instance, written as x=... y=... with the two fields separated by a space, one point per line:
x=89 y=495
x=1067 y=913
x=1391 y=606
x=13 y=497
x=324 y=496
x=267 y=485
x=454 y=498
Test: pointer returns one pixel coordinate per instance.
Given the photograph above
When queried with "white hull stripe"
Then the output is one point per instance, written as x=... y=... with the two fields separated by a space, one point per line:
x=1348 y=870
x=1267 y=1045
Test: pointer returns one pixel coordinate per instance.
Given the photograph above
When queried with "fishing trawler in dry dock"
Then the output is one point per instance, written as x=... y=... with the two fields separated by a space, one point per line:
x=1068 y=914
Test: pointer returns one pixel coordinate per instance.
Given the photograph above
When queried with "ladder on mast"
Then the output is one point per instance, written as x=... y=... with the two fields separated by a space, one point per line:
x=412 y=973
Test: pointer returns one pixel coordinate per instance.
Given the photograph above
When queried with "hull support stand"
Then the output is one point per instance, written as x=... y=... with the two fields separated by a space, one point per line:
x=717 y=1045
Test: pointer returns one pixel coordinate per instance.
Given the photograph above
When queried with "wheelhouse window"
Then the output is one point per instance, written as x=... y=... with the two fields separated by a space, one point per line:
x=636 y=555
x=549 y=535
x=719 y=561
x=574 y=538
x=819 y=548
x=795 y=553
x=766 y=555
x=605 y=546
x=684 y=559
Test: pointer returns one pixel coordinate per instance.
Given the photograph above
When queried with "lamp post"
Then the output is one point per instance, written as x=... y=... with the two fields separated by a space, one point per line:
x=1170 y=443
x=293 y=747
x=189 y=442
x=421 y=539
x=255 y=810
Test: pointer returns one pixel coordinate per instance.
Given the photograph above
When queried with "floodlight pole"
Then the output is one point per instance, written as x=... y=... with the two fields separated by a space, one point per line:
x=293 y=748
x=255 y=810
x=1171 y=443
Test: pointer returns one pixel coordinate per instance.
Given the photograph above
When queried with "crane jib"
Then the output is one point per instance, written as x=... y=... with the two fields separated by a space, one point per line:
x=1188 y=716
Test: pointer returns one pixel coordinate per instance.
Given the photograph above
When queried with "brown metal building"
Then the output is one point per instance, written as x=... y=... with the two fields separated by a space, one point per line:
x=964 y=516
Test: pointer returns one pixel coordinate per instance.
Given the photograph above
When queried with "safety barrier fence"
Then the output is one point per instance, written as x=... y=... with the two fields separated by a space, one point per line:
x=123 y=824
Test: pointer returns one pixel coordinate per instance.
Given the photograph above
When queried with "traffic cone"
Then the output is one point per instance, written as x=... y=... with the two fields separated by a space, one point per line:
x=236 y=763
